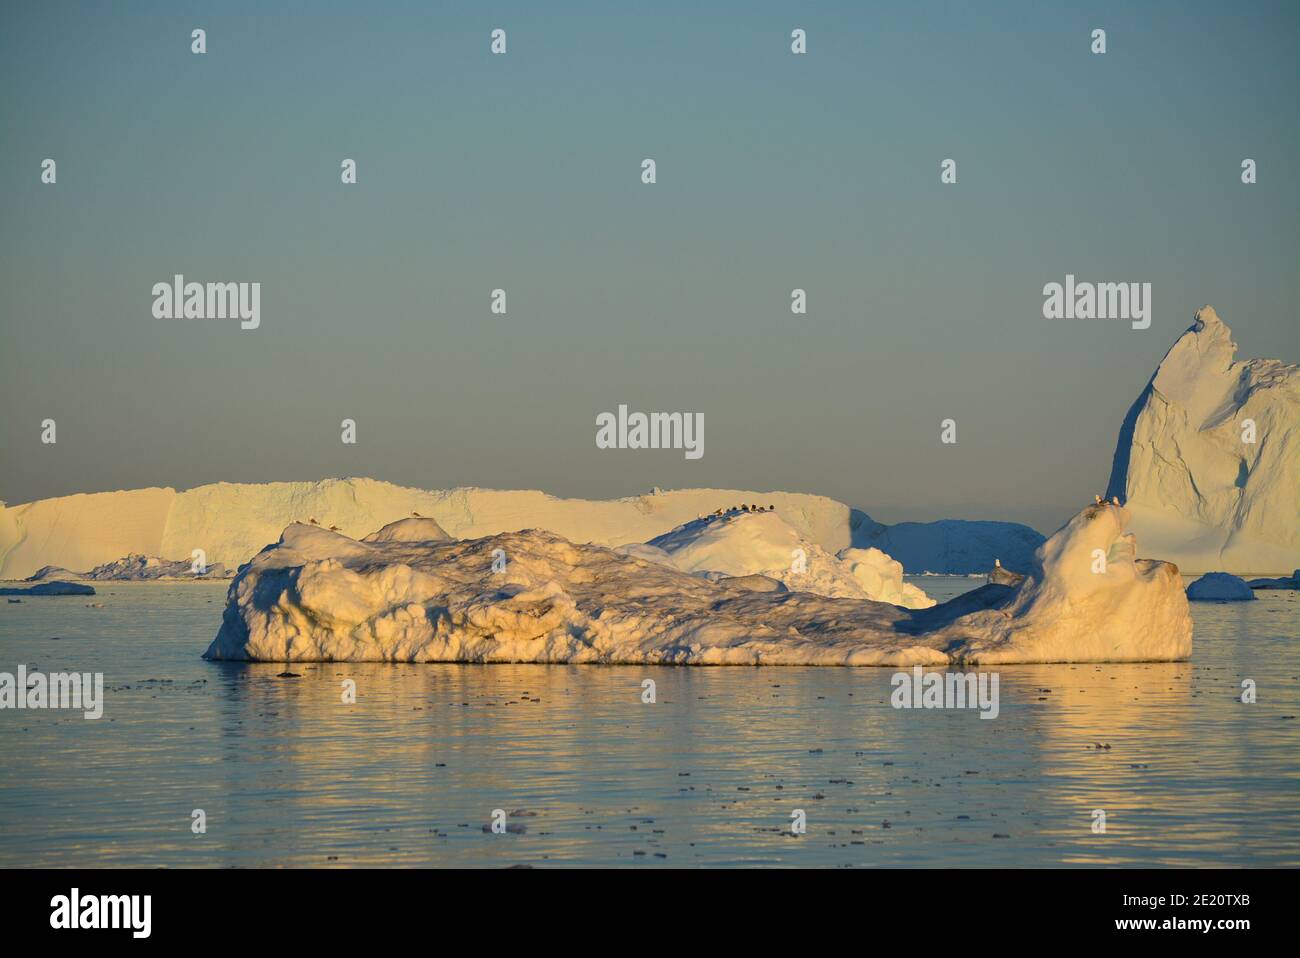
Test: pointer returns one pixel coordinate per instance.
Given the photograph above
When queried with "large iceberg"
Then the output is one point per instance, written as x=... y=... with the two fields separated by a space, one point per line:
x=1208 y=458
x=532 y=596
x=231 y=521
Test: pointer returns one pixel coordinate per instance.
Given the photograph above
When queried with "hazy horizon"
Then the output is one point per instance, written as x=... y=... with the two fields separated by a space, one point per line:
x=522 y=171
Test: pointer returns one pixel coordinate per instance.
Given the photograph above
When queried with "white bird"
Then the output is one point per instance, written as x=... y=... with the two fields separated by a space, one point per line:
x=1115 y=499
x=1097 y=498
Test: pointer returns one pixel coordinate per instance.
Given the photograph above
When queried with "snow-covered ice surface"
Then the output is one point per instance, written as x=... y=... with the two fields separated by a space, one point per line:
x=417 y=529
x=880 y=578
x=1220 y=587
x=1201 y=497
x=744 y=544
x=321 y=596
x=51 y=573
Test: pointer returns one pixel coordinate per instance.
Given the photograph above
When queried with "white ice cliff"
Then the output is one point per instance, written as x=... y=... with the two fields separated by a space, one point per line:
x=230 y=522
x=1202 y=493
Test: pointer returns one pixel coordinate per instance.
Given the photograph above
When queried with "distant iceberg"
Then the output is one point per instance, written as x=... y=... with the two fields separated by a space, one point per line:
x=956 y=546
x=50 y=588
x=1281 y=582
x=142 y=568
x=230 y=522
x=1220 y=587
x=317 y=595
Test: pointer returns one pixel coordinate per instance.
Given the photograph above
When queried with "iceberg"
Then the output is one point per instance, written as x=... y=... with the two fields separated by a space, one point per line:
x=1281 y=582
x=142 y=568
x=318 y=595
x=956 y=546
x=1219 y=587
x=230 y=522
x=742 y=543
x=50 y=588
x=51 y=572
x=1209 y=454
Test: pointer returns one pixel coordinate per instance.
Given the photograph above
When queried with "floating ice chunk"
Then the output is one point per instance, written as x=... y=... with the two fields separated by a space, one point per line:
x=319 y=596
x=1283 y=582
x=1221 y=587
x=51 y=588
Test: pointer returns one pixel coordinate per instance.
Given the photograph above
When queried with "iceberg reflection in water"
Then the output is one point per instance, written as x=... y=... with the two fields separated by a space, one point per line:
x=289 y=775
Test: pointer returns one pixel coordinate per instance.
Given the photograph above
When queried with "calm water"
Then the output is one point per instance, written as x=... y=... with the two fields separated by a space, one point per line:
x=709 y=775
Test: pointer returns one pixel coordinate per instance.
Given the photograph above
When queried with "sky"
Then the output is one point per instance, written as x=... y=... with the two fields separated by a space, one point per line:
x=522 y=172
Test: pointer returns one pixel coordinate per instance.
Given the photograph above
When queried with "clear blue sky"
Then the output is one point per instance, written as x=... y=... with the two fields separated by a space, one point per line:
x=522 y=171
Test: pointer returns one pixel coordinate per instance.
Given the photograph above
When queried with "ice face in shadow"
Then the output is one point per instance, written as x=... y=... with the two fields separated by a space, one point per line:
x=532 y=596
x=1220 y=587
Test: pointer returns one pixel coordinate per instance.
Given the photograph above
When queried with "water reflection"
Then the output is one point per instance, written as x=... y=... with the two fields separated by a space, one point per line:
x=288 y=773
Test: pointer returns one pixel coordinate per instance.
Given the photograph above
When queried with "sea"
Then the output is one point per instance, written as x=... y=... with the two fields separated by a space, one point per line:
x=333 y=765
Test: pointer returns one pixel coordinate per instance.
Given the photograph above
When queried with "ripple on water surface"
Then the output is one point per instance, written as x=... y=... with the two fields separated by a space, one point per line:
x=289 y=774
